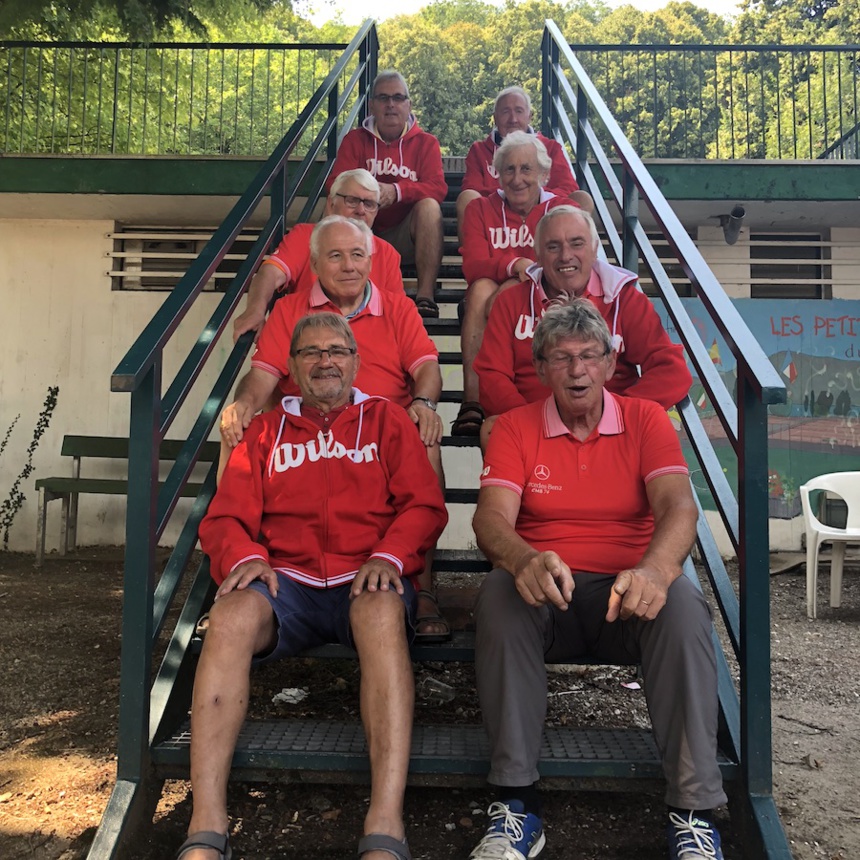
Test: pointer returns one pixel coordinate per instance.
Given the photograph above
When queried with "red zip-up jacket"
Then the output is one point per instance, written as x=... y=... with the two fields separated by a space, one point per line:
x=315 y=506
x=481 y=176
x=507 y=376
x=495 y=237
x=412 y=163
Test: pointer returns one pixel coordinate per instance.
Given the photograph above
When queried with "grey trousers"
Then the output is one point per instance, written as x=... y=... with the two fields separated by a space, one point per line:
x=514 y=641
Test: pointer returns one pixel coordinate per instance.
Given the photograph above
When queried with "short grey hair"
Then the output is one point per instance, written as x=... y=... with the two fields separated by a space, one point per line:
x=332 y=220
x=363 y=177
x=517 y=139
x=513 y=91
x=336 y=322
x=572 y=318
x=389 y=75
x=560 y=211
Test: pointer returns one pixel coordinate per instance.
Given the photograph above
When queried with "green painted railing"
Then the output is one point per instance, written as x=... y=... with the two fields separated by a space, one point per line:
x=147 y=707
x=157 y=99
x=729 y=101
x=575 y=114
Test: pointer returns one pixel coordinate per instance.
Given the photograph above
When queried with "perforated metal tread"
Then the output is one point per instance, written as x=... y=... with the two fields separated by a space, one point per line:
x=450 y=749
x=334 y=746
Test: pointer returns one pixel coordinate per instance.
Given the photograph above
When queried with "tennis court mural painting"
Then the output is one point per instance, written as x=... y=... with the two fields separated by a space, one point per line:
x=815 y=346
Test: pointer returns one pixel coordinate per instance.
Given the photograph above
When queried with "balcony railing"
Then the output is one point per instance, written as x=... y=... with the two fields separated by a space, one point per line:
x=158 y=99
x=729 y=101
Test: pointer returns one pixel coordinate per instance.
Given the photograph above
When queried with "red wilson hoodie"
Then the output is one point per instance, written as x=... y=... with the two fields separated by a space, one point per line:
x=495 y=237
x=412 y=163
x=504 y=366
x=315 y=506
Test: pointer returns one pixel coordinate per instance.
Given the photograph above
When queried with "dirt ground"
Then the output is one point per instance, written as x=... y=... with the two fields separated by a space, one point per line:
x=59 y=648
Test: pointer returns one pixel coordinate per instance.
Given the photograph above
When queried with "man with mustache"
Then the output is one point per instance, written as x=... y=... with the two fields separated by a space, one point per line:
x=316 y=534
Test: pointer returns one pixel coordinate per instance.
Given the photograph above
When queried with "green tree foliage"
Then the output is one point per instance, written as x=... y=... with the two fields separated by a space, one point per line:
x=138 y=19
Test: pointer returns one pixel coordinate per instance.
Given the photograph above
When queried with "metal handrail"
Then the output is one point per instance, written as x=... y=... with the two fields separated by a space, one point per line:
x=729 y=100
x=161 y=98
x=146 y=706
x=575 y=114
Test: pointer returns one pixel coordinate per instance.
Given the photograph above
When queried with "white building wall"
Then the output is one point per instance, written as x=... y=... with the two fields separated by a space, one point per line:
x=729 y=263
x=845 y=262
x=64 y=326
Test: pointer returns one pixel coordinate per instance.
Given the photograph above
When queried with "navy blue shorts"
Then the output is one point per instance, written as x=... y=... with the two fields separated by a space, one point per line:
x=308 y=617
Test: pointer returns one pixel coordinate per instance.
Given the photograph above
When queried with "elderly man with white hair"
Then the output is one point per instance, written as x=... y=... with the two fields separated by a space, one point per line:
x=354 y=194
x=407 y=162
x=398 y=359
x=512 y=111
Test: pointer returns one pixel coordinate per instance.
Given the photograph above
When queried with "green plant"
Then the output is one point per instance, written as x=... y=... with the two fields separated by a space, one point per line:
x=15 y=500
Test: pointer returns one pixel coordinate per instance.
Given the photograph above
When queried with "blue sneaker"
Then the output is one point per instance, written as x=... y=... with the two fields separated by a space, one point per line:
x=513 y=834
x=692 y=838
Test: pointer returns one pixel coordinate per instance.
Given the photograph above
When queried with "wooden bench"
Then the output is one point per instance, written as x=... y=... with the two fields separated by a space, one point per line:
x=68 y=489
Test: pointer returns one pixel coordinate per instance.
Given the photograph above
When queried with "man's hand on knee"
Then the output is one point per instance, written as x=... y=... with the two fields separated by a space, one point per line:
x=245 y=574
x=376 y=574
x=542 y=577
x=640 y=592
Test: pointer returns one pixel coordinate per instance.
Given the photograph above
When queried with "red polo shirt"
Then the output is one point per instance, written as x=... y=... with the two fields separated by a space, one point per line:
x=391 y=338
x=586 y=500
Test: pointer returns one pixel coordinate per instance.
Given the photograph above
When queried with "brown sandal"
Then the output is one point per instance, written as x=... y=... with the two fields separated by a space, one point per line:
x=469 y=419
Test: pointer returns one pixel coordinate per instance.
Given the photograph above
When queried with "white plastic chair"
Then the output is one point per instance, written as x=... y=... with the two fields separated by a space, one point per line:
x=847 y=486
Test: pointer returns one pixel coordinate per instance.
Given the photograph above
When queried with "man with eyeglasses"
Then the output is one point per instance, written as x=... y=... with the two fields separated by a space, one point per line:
x=407 y=163
x=586 y=513
x=398 y=359
x=354 y=194
x=647 y=363
x=316 y=534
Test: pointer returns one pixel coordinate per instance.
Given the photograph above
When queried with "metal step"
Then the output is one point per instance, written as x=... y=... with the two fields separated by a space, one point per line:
x=299 y=748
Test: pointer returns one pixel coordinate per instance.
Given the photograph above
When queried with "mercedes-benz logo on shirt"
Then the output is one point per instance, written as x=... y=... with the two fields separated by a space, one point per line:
x=541 y=472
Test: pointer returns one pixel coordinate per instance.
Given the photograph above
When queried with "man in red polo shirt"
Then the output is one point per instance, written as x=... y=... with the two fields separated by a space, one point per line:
x=398 y=359
x=354 y=194
x=587 y=515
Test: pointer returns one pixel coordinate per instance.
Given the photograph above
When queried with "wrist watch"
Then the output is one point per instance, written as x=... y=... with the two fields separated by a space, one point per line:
x=430 y=404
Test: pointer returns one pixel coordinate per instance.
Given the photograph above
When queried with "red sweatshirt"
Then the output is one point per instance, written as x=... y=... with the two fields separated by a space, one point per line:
x=481 y=176
x=412 y=163
x=504 y=363
x=316 y=506
x=293 y=258
x=495 y=237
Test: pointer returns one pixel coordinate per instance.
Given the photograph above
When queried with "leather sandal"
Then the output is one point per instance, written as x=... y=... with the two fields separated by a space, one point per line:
x=434 y=617
x=206 y=839
x=427 y=308
x=469 y=419
x=383 y=842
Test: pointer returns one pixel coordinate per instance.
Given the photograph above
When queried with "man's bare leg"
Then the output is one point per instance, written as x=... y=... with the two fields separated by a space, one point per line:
x=241 y=624
x=425 y=578
x=387 y=703
x=425 y=228
x=463 y=200
x=478 y=299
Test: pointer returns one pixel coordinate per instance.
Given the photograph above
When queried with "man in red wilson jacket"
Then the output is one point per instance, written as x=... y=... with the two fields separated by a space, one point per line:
x=407 y=163
x=354 y=194
x=316 y=534
x=512 y=111
x=566 y=244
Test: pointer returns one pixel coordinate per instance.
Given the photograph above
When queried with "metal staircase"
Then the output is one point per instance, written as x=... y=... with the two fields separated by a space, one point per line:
x=153 y=734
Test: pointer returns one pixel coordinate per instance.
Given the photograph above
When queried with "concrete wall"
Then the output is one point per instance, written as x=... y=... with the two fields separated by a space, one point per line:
x=64 y=326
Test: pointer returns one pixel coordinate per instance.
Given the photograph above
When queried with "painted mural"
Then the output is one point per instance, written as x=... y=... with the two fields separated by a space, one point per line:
x=815 y=346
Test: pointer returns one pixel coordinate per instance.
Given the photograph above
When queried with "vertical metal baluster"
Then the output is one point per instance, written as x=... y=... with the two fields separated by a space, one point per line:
x=175 y=91
x=793 y=105
x=145 y=99
x=268 y=94
x=809 y=101
x=761 y=68
x=221 y=107
x=131 y=55
x=778 y=106
x=84 y=101
x=251 y=125
x=236 y=107
x=191 y=104
x=206 y=106
x=115 y=118
x=39 y=99
x=282 y=110
x=732 y=101
x=69 y=100
x=99 y=119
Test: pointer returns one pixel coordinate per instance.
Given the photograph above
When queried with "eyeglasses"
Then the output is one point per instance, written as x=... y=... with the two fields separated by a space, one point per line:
x=355 y=202
x=313 y=354
x=384 y=98
x=563 y=360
